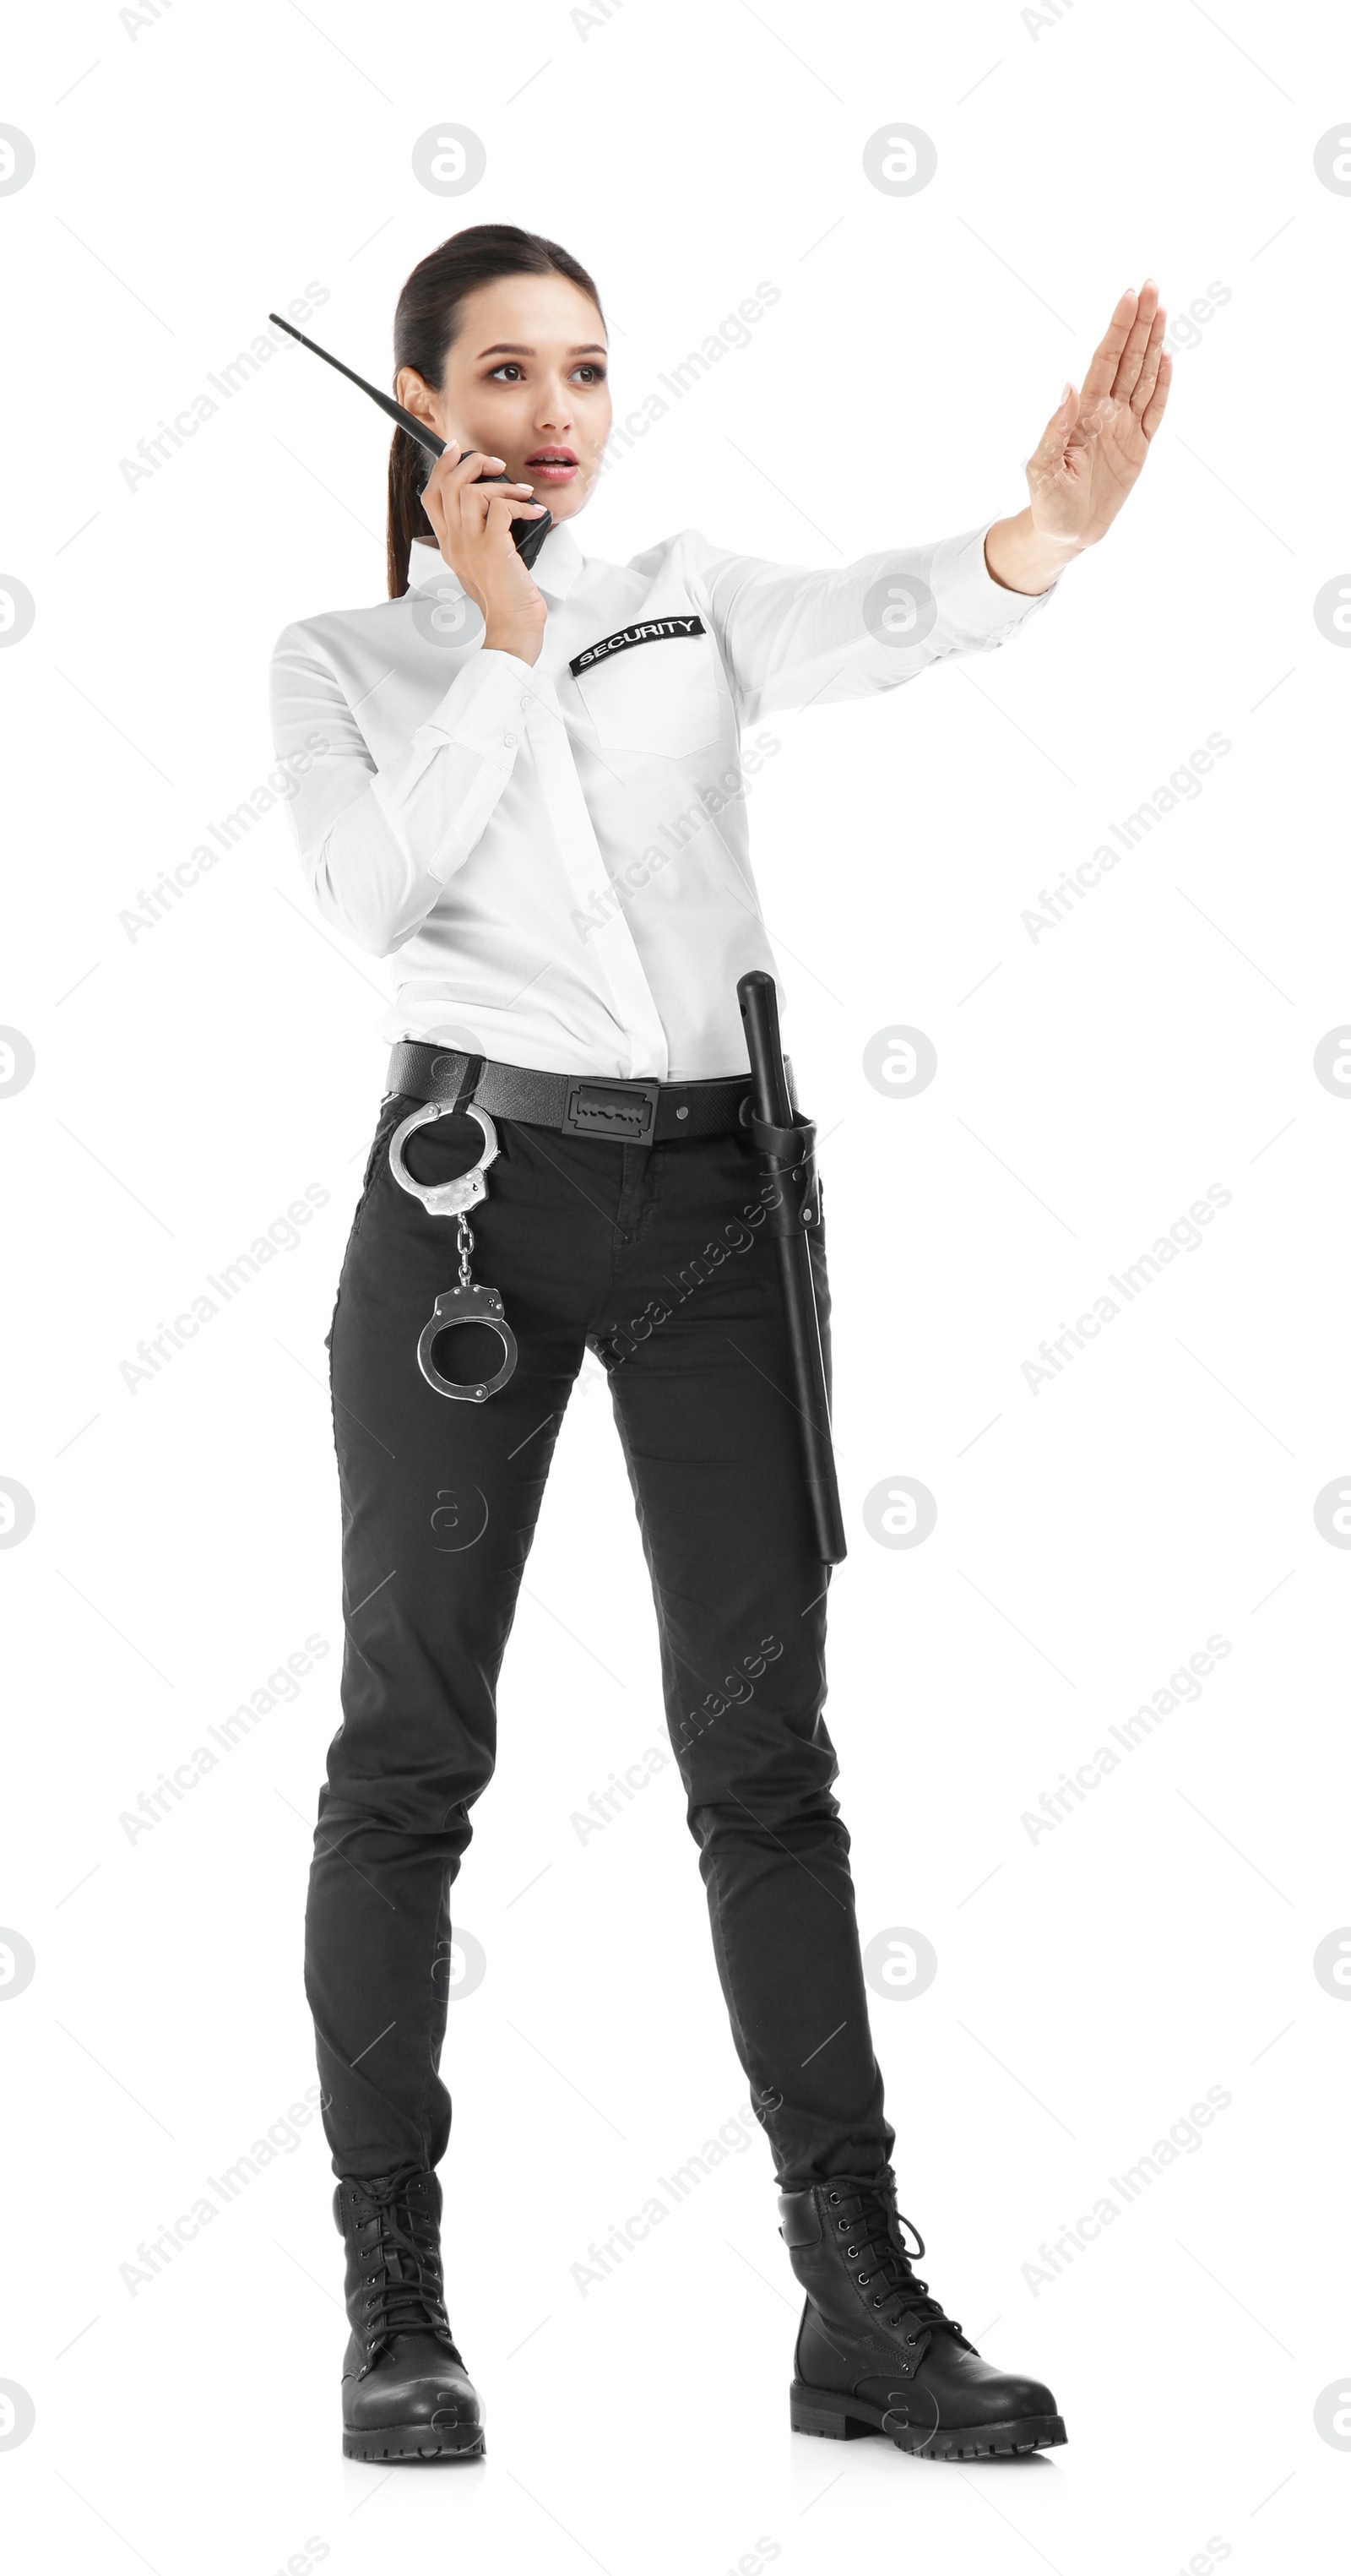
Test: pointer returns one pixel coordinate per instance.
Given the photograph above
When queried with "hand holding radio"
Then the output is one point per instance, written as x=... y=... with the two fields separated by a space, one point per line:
x=474 y=521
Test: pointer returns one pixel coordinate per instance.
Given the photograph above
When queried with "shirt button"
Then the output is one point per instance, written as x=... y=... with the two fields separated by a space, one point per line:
x=525 y=702
x=510 y=740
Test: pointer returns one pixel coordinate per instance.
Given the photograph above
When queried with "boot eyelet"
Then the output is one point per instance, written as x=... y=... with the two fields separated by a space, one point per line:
x=834 y=2200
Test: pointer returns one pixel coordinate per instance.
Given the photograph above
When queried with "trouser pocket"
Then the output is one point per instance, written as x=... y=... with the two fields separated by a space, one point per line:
x=394 y=1106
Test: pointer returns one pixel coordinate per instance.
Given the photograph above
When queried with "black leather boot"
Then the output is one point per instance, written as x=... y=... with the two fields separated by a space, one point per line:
x=875 y=2354
x=406 y=2394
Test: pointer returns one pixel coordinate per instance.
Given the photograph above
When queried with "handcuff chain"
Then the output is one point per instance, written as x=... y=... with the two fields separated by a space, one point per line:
x=466 y=1246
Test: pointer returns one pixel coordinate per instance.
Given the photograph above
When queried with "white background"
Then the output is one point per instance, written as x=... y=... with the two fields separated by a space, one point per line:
x=193 y=170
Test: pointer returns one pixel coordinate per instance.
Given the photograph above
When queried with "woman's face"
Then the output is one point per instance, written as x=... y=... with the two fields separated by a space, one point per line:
x=525 y=379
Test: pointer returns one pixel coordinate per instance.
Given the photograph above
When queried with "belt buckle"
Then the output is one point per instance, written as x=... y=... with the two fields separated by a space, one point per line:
x=597 y=1106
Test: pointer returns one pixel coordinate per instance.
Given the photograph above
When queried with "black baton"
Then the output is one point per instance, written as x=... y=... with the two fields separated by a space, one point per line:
x=787 y=1145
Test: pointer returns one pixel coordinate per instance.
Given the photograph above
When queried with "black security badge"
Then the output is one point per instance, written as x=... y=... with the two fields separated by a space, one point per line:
x=649 y=632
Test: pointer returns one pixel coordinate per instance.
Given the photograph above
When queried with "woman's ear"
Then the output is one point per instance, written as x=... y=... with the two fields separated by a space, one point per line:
x=417 y=397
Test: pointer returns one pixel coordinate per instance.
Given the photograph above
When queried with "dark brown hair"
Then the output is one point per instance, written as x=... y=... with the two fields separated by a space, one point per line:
x=426 y=319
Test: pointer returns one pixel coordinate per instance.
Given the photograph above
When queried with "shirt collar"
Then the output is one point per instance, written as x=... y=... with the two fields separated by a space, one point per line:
x=555 y=569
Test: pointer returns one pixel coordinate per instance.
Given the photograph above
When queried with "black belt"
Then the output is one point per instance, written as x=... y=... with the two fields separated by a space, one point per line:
x=576 y=1104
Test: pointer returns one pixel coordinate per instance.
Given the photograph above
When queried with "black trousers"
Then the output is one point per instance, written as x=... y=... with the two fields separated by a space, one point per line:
x=658 y=1260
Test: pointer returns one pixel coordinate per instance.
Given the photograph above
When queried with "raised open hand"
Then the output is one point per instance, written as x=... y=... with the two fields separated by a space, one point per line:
x=1093 y=447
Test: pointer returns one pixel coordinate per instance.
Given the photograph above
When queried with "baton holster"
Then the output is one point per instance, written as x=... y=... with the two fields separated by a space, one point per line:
x=787 y=1147
x=790 y=1160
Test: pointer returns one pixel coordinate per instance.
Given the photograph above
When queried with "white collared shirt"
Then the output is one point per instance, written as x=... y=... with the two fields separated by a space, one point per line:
x=555 y=859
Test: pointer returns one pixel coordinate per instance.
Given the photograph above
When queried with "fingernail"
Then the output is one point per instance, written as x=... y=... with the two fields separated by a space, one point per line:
x=1065 y=395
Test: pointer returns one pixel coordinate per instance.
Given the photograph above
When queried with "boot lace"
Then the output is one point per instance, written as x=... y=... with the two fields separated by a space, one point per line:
x=405 y=2288
x=866 y=2214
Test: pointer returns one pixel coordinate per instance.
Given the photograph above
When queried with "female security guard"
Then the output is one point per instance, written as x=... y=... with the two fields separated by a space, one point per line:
x=550 y=842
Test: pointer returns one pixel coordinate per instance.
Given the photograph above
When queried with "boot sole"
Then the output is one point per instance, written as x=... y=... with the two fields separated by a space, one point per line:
x=414 y=2442
x=816 y=2410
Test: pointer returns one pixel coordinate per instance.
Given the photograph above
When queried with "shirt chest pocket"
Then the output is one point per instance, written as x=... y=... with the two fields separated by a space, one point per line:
x=659 y=696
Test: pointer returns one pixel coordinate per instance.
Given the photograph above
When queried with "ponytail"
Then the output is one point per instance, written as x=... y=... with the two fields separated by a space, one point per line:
x=406 y=518
x=426 y=320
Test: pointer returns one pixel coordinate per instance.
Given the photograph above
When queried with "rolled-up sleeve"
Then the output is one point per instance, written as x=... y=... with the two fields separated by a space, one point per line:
x=792 y=637
x=378 y=843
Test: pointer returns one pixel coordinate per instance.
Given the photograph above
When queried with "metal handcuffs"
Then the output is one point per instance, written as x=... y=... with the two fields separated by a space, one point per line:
x=465 y=1303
